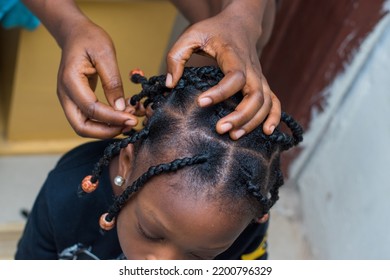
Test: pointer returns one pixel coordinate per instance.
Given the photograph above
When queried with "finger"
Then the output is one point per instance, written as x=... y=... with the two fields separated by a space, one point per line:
x=108 y=71
x=149 y=111
x=253 y=122
x=273 y=118
x=233 y=81
x=86 y=127
x=130 y=110
x=136 y=110
x=270 y=111
x=248 y=107
x=246 y=117
x=177 y=57
x=106 y=114
x=77 y=88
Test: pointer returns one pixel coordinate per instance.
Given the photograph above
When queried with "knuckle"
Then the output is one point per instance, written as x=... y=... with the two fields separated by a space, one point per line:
x=219 y=92
x=239 y=119
x=239 y=76
x=80 y=130
x=174 y=56
x=64 y=80
x=276 y=102
x=255 y=94
x=90 y=109
x=267 y=102
x=259 y=94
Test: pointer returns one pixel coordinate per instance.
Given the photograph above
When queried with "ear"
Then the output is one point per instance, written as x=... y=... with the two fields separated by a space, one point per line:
x=126 y=163
x=262 y=219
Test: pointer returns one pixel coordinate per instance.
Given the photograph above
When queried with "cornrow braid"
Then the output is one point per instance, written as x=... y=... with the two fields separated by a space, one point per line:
x=106 y=222
x=267 y=196
x=255 y=191
x=268 y=199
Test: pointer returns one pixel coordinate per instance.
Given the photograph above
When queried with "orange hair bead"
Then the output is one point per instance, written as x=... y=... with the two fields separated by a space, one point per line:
x=87 y=185
x=104 y=224
x=137 y=71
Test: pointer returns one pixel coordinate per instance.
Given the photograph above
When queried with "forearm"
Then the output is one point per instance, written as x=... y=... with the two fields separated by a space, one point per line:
x=58 y=18
x=196 y=11
x=256 y=17
x=249 y=13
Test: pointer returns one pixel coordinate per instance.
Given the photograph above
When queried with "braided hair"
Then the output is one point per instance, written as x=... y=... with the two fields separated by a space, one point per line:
x=246 y=169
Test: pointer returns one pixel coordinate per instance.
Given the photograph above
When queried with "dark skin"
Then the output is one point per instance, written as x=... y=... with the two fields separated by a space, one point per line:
x=166 y=221
x=230 y=32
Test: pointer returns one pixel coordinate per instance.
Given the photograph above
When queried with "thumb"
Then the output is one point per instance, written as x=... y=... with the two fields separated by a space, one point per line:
x=108 y=72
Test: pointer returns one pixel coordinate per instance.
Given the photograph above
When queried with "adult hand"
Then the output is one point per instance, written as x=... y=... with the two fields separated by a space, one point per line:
x=88 y=52
x=231 y=38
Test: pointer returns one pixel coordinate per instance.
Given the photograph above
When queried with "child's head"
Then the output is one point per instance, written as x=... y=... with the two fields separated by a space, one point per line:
x=191 y=191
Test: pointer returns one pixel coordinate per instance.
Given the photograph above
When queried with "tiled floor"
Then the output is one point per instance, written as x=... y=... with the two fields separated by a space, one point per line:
x=22 y=176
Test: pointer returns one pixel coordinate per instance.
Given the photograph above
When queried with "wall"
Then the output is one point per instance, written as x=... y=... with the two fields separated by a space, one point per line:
x=31 y=117
x=342 y=171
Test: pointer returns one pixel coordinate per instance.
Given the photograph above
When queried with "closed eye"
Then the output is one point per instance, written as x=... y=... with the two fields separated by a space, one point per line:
x=147 y=236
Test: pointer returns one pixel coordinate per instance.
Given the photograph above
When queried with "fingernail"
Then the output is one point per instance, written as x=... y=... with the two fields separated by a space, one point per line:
x=120 y=104
x=131 y=122
x=239 y=133
x=226 y=127
x=272 y=128
x=205 y=101
x=168 y=80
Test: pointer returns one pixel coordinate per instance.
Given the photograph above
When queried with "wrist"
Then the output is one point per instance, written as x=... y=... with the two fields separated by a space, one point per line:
x=59 y=19
x=251 y=9
x=67 y=26
x=249 y=13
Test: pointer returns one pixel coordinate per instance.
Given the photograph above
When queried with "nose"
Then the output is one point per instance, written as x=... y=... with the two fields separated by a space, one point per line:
x=166 y=253
x=150 y=257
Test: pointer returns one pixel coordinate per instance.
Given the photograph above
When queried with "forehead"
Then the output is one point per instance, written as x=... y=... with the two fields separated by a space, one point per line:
x=187 y=216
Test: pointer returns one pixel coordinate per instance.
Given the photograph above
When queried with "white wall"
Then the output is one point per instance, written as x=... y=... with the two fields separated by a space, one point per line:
x=343 y=175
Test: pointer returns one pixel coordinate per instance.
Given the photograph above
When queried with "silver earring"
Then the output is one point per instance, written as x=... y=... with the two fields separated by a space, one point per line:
x=118 y=181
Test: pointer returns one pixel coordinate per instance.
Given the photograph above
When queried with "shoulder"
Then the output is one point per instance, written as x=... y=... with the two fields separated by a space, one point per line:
x=63 y=180
x=83 y=154
x=61 y=188
x=60 y=216
x=69 y=212
x=62 y=183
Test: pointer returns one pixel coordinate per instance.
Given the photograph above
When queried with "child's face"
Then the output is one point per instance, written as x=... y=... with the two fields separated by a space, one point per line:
x=162 y=222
